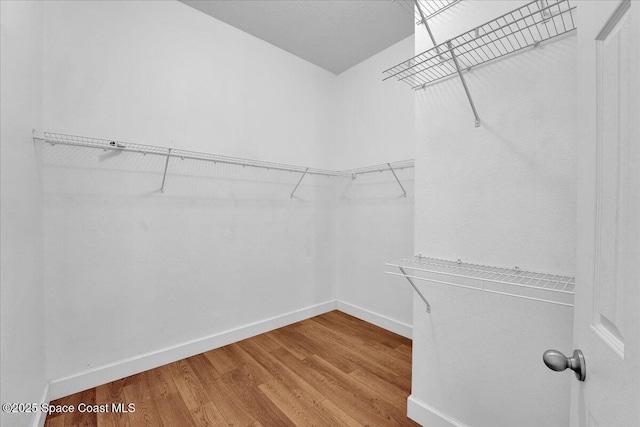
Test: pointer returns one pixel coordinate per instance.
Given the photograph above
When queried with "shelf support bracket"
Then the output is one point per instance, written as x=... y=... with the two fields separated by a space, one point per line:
x=396 y=177
x=299 y=181
x=424 y=22
x=164 y=175
x=464 y=83
x=416 y=289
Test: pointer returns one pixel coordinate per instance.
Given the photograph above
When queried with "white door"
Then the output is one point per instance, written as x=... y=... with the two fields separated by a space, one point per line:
x=607 y=304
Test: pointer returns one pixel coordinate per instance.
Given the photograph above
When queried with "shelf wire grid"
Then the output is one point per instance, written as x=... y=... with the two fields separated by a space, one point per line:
x=526 y=26
x=554 y=283
x=105 y=144
x=400 y=165
x=430 y=8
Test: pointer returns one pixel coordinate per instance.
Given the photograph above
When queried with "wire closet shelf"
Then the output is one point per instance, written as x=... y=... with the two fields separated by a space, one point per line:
x=430 y=8
x=543 y=287
x=526 y=26
x=403 y=164
x=106 y=144
x=167 y=153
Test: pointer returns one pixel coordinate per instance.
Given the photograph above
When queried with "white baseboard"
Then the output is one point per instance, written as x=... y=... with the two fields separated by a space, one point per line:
x=40 y=417
x=123 y=368
x=426 y=415
x=377 y=319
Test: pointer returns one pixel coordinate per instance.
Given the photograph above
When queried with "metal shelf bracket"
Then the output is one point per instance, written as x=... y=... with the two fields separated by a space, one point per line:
x=426 y=25
x=406 y=276
x=464 y=82
x=396 y=177
x=164 y=175
x=298 y=184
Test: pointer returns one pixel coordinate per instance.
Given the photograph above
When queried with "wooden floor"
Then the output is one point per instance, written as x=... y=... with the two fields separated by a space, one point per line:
x=330 y=370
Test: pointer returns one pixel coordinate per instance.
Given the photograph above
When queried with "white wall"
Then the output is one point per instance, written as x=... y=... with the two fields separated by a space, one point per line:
x=135 y=278
x=131 y=271
x=502 y=194
x=23 y=325
x=374 y=223
x=162 y=73
x=374 y=118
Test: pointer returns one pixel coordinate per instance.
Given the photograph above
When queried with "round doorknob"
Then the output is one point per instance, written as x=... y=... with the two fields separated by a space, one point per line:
x=557 y=361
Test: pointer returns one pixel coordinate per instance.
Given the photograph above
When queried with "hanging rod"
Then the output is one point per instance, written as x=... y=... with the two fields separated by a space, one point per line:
x=526 y=26
x=430 y=8
x=541 y=287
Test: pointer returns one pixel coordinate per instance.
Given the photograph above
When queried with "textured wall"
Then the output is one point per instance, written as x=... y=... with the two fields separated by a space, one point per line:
x=374 y=223
x=163 y=73
x=132 y=271
x=23 y=325
x=374 y=119
x=502 y=194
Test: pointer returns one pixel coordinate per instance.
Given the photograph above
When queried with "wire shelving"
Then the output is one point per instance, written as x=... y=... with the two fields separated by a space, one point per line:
x=542 y=287
x=516 y=30
x=169 y=153
x=106 y=144
x=529 y=25
x=430 y=8
x=392 y=167
x=403 y=164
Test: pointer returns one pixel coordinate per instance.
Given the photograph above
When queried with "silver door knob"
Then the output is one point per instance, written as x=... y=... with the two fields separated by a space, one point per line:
x=557 y=361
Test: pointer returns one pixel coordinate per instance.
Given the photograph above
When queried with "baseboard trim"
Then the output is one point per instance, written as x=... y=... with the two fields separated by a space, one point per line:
x=123 y=368
x=40 y=417
x=377 y=319
x=427 y=415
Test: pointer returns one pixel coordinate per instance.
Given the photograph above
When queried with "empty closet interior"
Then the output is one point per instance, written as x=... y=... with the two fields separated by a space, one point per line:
x=173 y=184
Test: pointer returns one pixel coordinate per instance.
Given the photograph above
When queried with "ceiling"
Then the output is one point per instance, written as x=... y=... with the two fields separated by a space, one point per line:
x=333 y=34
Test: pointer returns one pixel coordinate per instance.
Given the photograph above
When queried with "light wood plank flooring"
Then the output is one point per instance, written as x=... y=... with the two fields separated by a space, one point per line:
x=330 y=370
